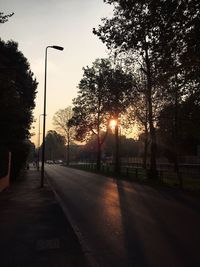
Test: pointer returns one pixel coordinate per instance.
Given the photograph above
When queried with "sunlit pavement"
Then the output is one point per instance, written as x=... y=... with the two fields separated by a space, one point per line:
x=127 y=224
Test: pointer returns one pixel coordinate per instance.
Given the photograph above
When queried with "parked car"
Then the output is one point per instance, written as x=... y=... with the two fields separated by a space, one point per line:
x=49 y=161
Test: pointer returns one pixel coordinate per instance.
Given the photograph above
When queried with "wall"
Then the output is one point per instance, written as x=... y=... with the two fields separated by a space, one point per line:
x=5 y=181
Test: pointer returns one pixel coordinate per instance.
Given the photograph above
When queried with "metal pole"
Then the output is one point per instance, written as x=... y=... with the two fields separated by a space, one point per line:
x=38 y=156
x=44 y=114
x=44 y=120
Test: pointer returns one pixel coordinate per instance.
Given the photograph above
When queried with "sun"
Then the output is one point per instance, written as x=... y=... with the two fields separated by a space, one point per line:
x=113 y=123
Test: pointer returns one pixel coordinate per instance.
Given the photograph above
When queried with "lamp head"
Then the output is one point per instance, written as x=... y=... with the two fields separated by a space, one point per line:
x=58 y=47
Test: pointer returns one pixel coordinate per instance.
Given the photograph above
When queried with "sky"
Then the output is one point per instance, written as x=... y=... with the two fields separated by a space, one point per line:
x=68 y=23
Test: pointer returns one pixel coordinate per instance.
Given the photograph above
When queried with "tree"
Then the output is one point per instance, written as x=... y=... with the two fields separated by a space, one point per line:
x=17 y=94
x=132 y=28
x=188 y=124
x=120 y=95
x=90 y=116
x=103 y=94
x=174 y=46
x=4 y=18
x=177 y=60
x=55 y=146
x=61 y=121
x=164 y=36
x=179 y=35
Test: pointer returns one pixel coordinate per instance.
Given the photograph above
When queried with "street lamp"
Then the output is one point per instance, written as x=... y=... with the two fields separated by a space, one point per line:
x=44 y=114
x=38 y=155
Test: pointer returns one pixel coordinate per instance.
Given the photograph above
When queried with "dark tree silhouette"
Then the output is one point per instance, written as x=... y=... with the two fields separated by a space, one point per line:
x=132 y=28
x=55 y=146
x=104 y=93
x=61 y=121
x=165 y=36
x=17 y=94
x=90 y=116
x=120 y=94
x=189 y=127
x=4 y=18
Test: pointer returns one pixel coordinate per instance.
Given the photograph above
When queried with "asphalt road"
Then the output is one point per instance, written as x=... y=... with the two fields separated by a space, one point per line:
x=127 y=224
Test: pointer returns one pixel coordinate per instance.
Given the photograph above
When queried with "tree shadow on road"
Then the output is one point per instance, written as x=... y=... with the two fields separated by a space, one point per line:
x=133 y=242
x=177 y=251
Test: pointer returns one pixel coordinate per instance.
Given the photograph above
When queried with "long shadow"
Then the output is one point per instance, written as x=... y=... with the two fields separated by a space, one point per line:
x=192 y=201
x=177 y=246
x=132 y=241
x=183 y=197
x=187 y=198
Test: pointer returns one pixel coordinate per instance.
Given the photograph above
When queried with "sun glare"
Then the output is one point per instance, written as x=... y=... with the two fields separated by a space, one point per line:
x=113 y=124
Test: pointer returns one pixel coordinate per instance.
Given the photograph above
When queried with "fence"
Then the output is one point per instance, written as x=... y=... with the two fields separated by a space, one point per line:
x=188 y=177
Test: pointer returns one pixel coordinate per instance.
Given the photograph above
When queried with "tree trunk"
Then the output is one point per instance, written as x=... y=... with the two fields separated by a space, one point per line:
x=68 y=147
x=176 y=165
x=145 y=147
x=68 y=153
x=117 y=159
x=145 y=135
x=153 y=147
x=98 y=166
x=176 y=136
x=98 y=131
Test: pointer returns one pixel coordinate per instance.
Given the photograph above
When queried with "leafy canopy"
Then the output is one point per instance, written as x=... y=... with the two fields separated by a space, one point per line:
x=17 y=95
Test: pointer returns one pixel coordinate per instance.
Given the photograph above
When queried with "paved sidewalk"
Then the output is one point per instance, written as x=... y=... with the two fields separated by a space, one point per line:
x=33 y=229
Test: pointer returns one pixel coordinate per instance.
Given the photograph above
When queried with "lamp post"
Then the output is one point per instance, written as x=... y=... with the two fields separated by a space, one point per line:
x=38 y=155
x=44 y=114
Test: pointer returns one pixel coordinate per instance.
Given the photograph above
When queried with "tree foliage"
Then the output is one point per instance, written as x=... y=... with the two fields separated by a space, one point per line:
x=4 y=18
x=61 y=121
x=89 y=107
x=90 y=115
x=17 y=94
x=55 y=146
x=189 y=127
x=104 y=93
x=163 y=36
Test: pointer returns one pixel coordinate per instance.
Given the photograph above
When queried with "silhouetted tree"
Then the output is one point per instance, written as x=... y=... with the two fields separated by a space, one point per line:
x=61 y=121
x=55 y=146
x=4 y=18
x=132 y=28
x=120 y=94
x=103 y=93
x=189 y=127
x=17 y=94
x=90 y=115
x=164 y=36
